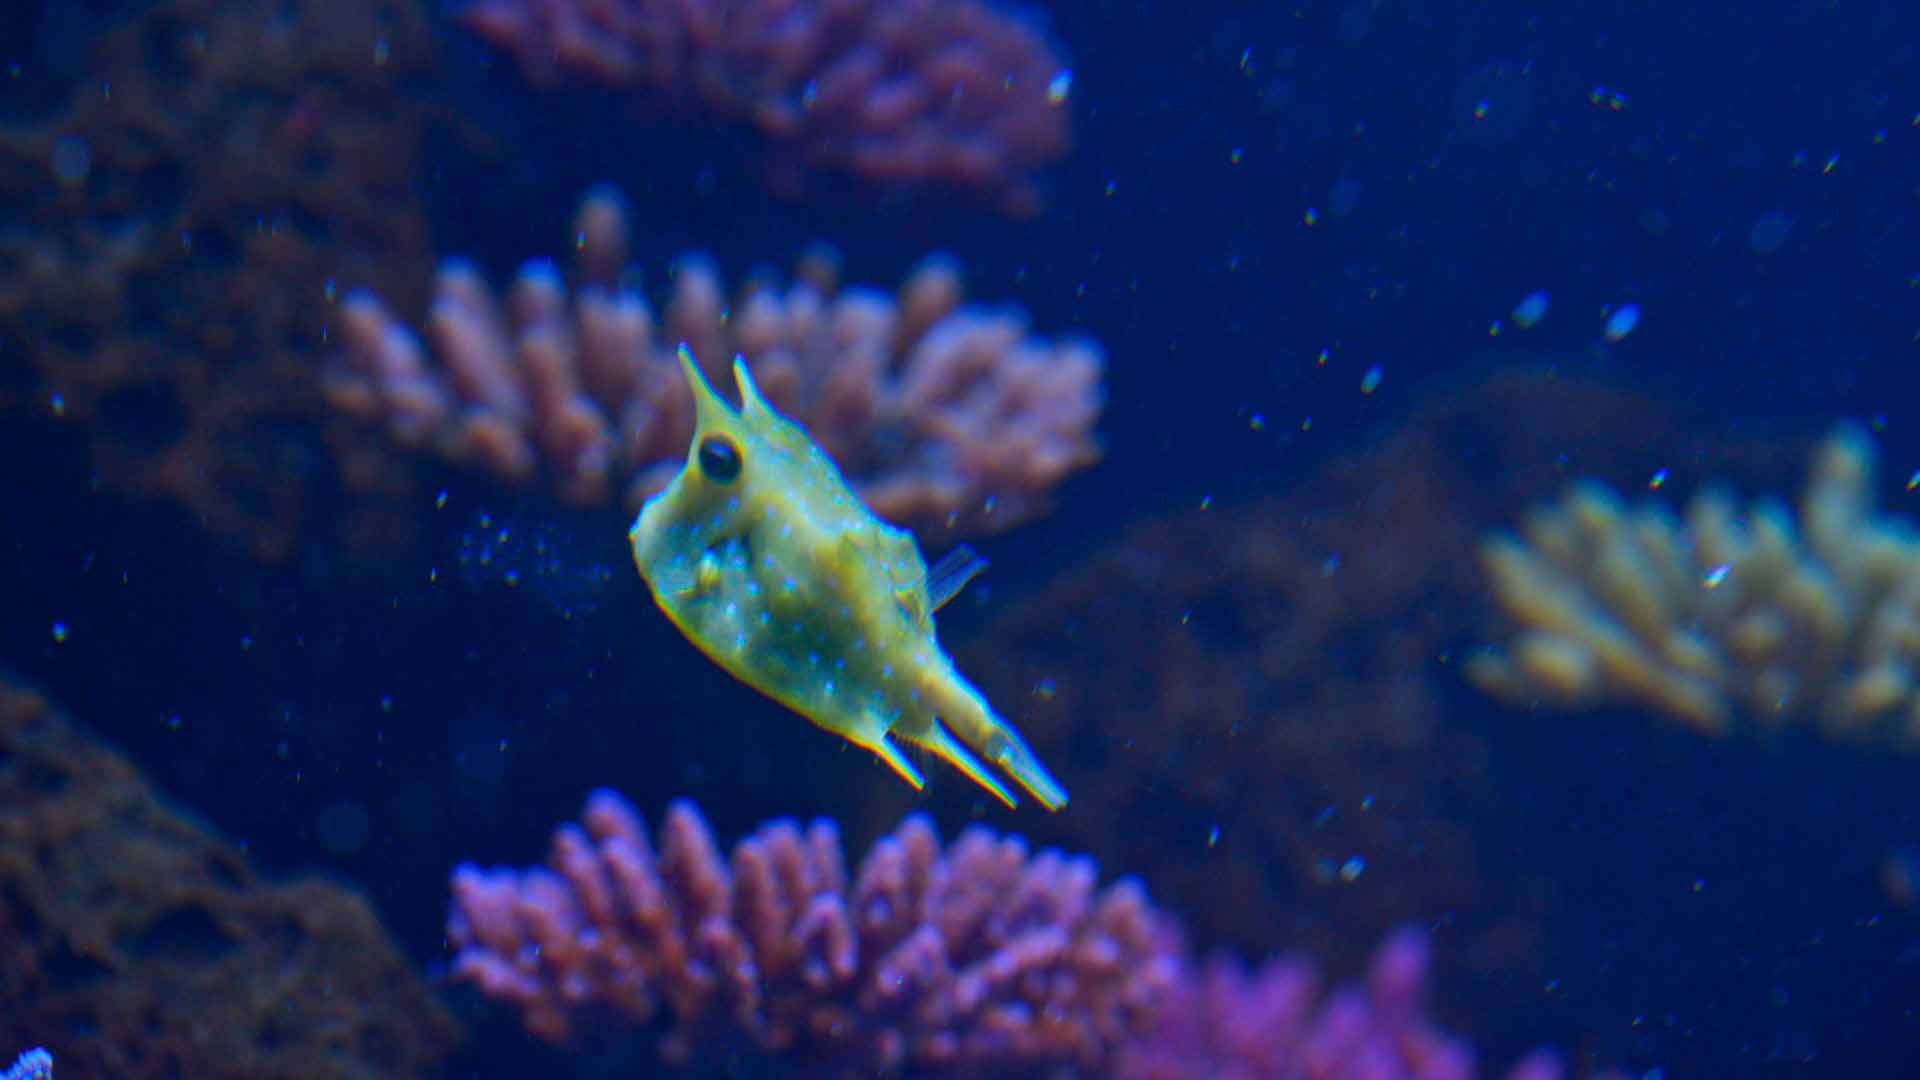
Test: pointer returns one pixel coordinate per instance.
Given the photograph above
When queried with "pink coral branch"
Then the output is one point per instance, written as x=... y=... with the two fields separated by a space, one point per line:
x=1227 y=1023
x=979 y=956
x=951 y=93
x=948 y=418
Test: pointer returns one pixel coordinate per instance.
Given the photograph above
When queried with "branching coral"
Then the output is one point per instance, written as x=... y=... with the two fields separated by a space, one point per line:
x=980 y=959
x=980 y=955
x=946 y=417
x=950 y=93
x=1225 y=1022
x=1721 y=618
x=35 y=1064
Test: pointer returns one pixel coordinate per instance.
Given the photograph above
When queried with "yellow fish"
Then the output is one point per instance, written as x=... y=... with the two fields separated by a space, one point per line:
x=760 y=554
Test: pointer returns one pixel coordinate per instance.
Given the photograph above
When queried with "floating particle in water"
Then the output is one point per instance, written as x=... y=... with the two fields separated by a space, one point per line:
x=1351 y=870
x=1371 y=380
x=1607 y=99
x=1060 y=87
x=1658 y=478
x=1531 y=309
x=1621 y=323
x=1311 y=217
x=1494 y=102
x=541 y=556
x=1769 y=232
x=1213 y=836
x=1716 y=575
x=60 y=632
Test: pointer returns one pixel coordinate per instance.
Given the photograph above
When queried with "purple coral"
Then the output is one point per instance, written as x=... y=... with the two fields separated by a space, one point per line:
x=981 y=957
x=1276 y=1023
x=903 y=92
x=978 y=956
x=35 y=1064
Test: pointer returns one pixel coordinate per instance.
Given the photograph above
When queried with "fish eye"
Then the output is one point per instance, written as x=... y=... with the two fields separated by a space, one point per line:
x=719 y=459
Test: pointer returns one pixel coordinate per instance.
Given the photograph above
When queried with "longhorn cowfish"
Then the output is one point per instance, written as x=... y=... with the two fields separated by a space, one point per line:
x=768 y=562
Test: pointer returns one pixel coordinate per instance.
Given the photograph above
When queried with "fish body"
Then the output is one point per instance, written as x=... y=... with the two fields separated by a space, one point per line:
x=768 y=562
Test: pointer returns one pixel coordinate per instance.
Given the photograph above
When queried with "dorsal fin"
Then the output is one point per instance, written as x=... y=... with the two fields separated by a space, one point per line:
x=947 y=577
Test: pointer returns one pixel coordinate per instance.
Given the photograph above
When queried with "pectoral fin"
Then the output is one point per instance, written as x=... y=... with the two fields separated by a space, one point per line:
x=947 y=577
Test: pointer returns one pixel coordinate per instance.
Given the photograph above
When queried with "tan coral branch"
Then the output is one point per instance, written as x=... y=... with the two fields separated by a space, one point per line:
x=1723 y=618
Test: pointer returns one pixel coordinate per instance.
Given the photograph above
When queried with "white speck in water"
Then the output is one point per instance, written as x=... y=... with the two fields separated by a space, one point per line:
x=1621 y=323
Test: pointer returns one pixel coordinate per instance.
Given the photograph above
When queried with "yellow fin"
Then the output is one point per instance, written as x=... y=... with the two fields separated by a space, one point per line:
x=870 y=733
x=1010 y=752
x=941 y=742
x=891 y=754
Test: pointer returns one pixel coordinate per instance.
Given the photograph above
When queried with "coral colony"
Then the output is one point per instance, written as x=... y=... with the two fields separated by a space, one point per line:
x=975 y=954
x=946 y=417
x=979 y=956
x=35 y=1064
x=1722 y=619
x=948 y=94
